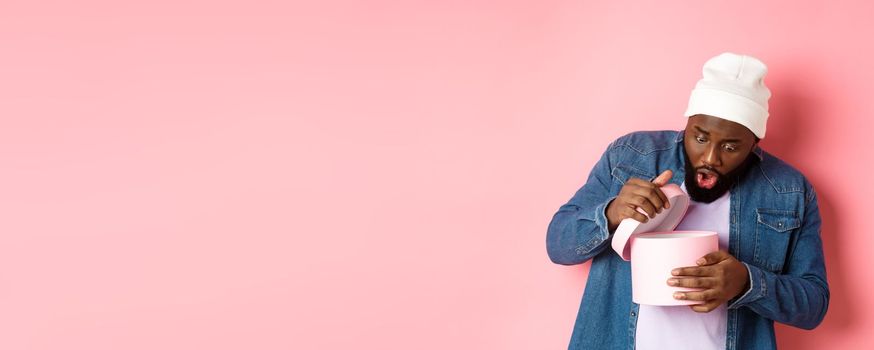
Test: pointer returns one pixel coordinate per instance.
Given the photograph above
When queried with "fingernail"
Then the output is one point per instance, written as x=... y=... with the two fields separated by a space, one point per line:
x=679 y=296
x=701 y=261
x=675 y=272
x=672 y=282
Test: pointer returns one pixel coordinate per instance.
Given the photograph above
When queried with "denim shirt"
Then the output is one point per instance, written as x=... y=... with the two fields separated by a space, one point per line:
x=774 y=231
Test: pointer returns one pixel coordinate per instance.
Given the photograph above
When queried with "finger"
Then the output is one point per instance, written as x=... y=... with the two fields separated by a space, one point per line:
x=660 y=181
x=663 y=178
x=663 y=197
x=653 y=195
x=694 y=271
x=696 y=282
x=650 y=193
x=630 y=212
x=653 y=190
x=644 y=203
x=706 y=307
x=703 y=295
x=713 y=258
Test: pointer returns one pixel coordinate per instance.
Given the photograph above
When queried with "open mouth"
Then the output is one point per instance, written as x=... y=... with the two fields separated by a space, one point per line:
x=707 y=179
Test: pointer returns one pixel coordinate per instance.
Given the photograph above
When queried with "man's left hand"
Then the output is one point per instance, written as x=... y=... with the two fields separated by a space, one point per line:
x=719 y=275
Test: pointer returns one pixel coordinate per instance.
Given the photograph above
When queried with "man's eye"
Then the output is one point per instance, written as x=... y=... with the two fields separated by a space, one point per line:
x=730 y=148
x=700 y=139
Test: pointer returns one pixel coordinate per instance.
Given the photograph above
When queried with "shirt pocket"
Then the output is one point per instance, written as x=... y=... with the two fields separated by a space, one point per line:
x=621 y=173
x=773 y=232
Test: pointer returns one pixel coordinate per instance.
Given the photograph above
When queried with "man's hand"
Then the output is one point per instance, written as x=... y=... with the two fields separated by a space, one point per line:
x=720 y=275
x=638 y=193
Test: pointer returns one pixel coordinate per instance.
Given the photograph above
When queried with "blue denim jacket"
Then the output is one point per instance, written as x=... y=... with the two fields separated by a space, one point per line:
x=774 y=231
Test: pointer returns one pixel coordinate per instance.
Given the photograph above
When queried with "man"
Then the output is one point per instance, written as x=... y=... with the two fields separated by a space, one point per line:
x=770 y=266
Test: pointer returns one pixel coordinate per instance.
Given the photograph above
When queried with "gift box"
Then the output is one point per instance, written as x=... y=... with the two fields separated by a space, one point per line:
x=654 y=249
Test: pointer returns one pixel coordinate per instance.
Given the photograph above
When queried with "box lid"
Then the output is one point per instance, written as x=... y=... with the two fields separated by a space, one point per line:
x=665 y=221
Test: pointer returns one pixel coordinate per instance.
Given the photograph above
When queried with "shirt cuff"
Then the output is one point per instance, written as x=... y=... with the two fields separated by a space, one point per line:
x=601 y=218
x=601 y=222
x=758 y=288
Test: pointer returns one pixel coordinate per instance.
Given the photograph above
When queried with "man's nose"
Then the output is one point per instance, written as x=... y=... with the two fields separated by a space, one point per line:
x=711 y=157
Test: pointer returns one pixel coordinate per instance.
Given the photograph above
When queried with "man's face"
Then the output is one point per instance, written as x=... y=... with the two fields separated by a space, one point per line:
x=717 y=155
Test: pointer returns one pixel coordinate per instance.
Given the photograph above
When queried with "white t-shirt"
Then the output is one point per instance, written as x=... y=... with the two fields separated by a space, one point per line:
x=678 y=327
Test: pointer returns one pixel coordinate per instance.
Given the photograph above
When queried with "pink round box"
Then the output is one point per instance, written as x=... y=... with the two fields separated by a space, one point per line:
x=654 y=249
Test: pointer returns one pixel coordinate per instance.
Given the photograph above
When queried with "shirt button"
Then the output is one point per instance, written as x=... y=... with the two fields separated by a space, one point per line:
x=633 y=314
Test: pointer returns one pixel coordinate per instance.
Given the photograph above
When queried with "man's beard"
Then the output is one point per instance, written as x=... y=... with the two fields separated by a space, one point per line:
x=723 y=183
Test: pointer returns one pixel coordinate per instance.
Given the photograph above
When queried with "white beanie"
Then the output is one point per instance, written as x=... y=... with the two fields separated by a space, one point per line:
x=733 y=88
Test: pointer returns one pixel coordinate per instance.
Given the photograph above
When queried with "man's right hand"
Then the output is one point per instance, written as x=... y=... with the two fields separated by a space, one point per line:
x=638 y=193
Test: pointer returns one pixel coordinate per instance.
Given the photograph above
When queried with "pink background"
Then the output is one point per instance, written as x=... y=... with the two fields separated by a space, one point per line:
x=374 y=174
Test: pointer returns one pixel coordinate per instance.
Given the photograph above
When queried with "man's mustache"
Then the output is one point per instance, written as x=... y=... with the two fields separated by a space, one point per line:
x=709 y=169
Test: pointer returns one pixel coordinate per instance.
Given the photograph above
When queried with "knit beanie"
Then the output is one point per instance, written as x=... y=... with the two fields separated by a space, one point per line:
x=733 y=88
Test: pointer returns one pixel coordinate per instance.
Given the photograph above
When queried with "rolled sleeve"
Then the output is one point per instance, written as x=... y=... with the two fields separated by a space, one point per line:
x=601 y=218
x=758 y=288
